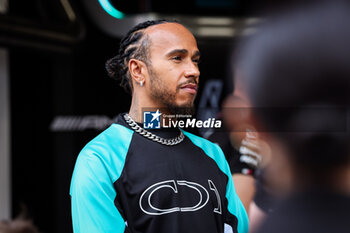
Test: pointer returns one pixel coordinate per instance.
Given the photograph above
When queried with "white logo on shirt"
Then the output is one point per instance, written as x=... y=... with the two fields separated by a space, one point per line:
x=150 y=208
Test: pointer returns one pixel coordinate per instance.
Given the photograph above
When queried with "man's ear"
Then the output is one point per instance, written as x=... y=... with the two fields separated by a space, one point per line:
x=137 y=70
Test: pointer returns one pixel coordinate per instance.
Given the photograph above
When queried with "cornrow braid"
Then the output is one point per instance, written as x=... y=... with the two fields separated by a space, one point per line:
x=133 y=45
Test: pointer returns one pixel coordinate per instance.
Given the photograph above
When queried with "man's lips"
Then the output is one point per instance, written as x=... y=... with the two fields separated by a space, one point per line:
x=190 y=87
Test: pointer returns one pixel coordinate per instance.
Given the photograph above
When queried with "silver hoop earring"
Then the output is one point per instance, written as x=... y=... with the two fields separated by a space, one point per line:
x=141 y=83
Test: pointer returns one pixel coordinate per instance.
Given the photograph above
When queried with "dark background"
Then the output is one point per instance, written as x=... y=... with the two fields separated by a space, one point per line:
x=57 y=69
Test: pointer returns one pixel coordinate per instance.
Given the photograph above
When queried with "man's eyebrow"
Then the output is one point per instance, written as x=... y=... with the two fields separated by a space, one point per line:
x=177 y=51
x=197 y=54
x=183 y=51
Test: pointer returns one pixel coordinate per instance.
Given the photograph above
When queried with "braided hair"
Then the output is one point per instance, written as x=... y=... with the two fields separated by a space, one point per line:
x=134 y=45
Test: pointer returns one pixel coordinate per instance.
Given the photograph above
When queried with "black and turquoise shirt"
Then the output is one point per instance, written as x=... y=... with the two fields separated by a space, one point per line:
x=124 y=182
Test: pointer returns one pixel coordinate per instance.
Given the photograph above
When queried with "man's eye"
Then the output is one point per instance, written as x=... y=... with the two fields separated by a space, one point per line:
x=196 y=61
x=177 y=58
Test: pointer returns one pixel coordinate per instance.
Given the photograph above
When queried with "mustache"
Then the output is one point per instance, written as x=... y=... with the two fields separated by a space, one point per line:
x=193 y=81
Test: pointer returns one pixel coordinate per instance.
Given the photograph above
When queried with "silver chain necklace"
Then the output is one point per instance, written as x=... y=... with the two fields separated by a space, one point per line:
x=138 y=129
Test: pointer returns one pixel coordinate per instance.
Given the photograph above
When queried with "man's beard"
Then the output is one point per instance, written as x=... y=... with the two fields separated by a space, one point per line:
x=173 y=109
x=161 y=94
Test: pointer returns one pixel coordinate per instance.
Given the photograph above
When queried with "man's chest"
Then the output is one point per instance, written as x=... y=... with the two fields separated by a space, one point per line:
x=166 y=180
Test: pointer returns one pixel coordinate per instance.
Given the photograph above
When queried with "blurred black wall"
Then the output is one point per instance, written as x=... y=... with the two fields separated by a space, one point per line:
x=52 y=77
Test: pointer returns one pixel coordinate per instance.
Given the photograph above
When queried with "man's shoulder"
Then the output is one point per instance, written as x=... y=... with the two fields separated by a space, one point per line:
x=212 y=150
x=104 y=156
x=108 y=140
x=201 y=142
x=106 y=152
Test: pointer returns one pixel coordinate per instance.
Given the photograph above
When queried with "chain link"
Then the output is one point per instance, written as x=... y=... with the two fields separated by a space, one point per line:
x=138 y=129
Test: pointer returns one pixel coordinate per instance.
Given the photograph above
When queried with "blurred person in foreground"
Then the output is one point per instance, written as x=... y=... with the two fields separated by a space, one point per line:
x=131 y=179
x=247 y=155
x=297 y=73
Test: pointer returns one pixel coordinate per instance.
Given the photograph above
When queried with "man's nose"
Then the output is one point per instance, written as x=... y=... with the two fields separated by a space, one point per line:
x=192 y=71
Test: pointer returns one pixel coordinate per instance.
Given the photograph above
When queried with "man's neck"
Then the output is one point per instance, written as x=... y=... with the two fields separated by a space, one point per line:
x=135 y=111
x=138 y=107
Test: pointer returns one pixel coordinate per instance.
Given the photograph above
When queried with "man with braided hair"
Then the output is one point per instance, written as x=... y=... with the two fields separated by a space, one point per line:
x=129 y=179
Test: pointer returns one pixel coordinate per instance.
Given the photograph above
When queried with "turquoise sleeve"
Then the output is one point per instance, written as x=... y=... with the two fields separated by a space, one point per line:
x=92 y=192
x=235 y=206
x=92 y=198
